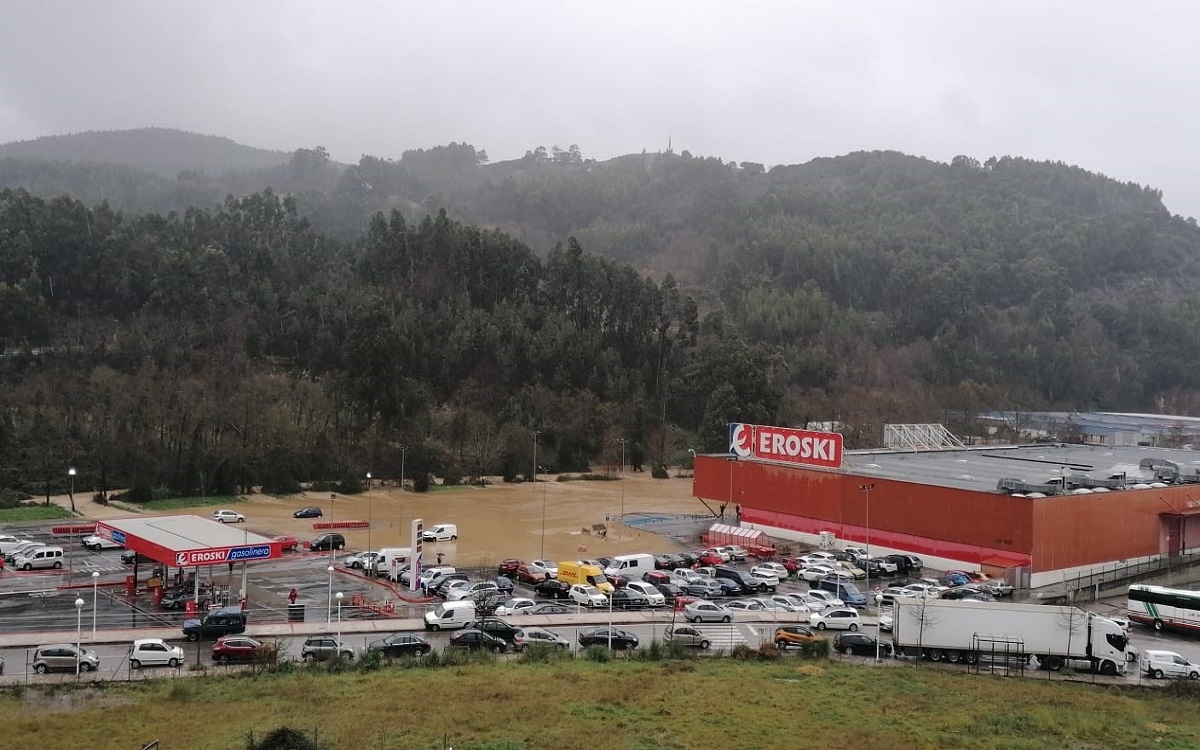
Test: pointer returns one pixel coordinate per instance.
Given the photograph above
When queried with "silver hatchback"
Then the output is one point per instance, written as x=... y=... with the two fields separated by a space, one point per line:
x=705 y=611
x=64 y=657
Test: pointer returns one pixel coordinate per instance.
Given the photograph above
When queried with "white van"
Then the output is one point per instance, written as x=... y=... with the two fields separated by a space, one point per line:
x=1160 y=664
x=632 y=567
x=450 y=615
x=392 y=561
x=443 y=532
x=39 y=557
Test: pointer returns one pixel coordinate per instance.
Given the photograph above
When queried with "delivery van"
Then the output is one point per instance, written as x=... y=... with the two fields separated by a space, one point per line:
x=442 y=532
x=632 y=567
x=39 y=557
x=392 y=561
x=450 y=615
x=582 y=574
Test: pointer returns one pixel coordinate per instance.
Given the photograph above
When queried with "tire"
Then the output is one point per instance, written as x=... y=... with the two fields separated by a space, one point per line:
x=853 y=627
x=424 y=651
x=820 y=626
x=781 y=645
x=1158 y=624
x=953 y=657
x=704 y=645
x=173 y=664
x=339 y=547
x=40 y=668
x=57 y=564
x=935 y=654
x=1108 y=668
x=85 y=667
x=193 y=637
x=310 y=658
x=27 y=567
x=454 y=538
x=435 y=627
x=1194 y=675
x=971 y=657
x=223 y=659
x=135 y=664
x=848 y=651
x=1054 y=663
x=1157 y=674
x=726 y=619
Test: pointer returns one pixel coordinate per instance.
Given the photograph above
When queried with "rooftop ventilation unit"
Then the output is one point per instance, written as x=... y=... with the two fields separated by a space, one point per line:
x=919 y=437
x=1012 y=486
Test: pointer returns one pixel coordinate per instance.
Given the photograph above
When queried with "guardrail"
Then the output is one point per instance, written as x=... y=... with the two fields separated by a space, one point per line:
x=73 y=529
x=1091 y=586
x=352 y=524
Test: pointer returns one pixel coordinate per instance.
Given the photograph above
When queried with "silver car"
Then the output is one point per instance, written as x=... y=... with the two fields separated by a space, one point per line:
x=706 y=611
x=64 y=657
x=686 y=635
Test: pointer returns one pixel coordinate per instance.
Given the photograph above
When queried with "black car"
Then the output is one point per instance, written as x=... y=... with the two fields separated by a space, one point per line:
x=547 y=608
x=179 y=598
x=747 y=582
x=401 y=644
x=687 y=559
x=311 y=511
x=626 y=599
x=475 y=640
x=859 y=644
x=552 y=588
x=504 y=584
x=969 y=593
x=605 y=562
x=128 y=557
x=670 y=591
x=873 y=567
x=494 y=626
x=730 y=588
x=906 y=563
x=664 y=562
x=219 y=622
x=620 y=639
x=327 y=542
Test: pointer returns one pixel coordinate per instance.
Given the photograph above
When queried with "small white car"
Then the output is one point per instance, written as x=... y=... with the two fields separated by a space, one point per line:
x=736 y=553
x=923 y=591
x=361 y=560
x=798 y=602
x=885 y=623
x=649 y=591
x=96 y=543
x=718 y=551
x=771 y=604
x=854 y=550
x=744 y=605
x=227 y=516
x=705 y=571
x=515 y=606
x=703 y=610
x=769 y=570
x=764 y=578
x=428 y=574
x=815 y=573
x=154 y=652
x=1160 y=664
x=686 y=575
x=842 y=618
x=472 y=590
x=545 y=566
x=819 y=557
x=828 y=599
x=588 y=596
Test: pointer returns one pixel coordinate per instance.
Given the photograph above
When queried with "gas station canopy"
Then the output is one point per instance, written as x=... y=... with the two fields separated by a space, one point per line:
x=188 y=541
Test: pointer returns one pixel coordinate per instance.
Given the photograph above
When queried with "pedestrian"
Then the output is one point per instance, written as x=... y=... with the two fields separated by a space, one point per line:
x=292 y=596
x=1 y=564
x=439 y=556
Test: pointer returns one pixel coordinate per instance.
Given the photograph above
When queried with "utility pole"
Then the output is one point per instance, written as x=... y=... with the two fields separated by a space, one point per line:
x=622 y=477
x=542 y=551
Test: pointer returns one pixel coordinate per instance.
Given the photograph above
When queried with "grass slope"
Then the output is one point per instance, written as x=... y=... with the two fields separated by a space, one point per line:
x=622 y=705
x=33 y=513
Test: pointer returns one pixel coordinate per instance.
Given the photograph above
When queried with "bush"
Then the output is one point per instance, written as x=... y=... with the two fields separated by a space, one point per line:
x=767 y=652
x=819 y=649
x=544 y=654
x=100 y=498
x=370 y=661
x=586 y=478
x=597 y=654
x=660 y=472
x=12 y=498
x=351 y=484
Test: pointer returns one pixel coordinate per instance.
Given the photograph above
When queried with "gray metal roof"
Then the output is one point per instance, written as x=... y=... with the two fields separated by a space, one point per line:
x=183 y=533
x=981 y=468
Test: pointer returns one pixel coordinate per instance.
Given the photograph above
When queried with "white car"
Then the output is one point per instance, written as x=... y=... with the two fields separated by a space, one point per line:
x=798 y=602
x=515 y=606
x=588 y=596
x=97 y=543
x=227 y=516
x=362 y=560
x=649 y=591
x=718 y=551
x=842 y=618
x=923 y=590
x=154 y=652
x=736 y=553
x=771 y=604
x=770 y=570
x=703 y=610
x=705 y=571
x=471 y=590
x=814 y=573
x=764 y=579
x=545 y=566
x=815 y=558
x=855 y=551
x=428 y=574
x=1160 y=664
x=686 y=575
x=828 y=599
x=885 y=623
x=744 y=605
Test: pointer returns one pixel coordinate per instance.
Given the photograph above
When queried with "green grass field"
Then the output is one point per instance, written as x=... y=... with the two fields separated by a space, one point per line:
x=626 y=705
x=33 y=513
x=177 y=503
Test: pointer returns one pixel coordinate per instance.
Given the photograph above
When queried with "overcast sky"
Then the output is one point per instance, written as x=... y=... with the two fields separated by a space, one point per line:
x=1103 y=84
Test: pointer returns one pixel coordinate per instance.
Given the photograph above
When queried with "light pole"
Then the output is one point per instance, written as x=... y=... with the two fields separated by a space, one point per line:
x=78 y=633
x=369 y=510
x=866 y=490
x=622 y=472
x=403 y=455
x=71 y=492
x=339 y=628
x=329 y=598
x=878 y=615
x=542 y=550
x=95 y=581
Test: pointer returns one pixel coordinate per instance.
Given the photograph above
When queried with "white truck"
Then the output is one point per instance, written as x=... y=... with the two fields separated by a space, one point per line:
x=967 y=631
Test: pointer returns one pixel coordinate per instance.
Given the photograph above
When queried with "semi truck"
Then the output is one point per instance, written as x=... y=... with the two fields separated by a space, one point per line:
x=967 y=631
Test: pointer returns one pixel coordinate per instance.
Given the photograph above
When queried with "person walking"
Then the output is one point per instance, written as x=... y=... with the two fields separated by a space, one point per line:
x=292 y=596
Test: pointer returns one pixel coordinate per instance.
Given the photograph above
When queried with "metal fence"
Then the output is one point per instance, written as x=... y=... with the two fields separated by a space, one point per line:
x=1090 y=587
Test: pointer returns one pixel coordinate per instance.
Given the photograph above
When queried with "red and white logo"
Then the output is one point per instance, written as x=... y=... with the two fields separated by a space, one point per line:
x=806 y=447
x=741 y=439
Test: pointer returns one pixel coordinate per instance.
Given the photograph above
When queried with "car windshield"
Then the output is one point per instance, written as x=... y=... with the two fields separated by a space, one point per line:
x=591 y=591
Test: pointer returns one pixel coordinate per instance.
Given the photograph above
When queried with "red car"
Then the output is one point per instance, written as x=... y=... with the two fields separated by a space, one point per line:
x=290 y=543
x=618 y=582
x=237 y=648
x=509 y=567
x=656 y=577
x=793 y=565
x=526 y=574
x=711 y=558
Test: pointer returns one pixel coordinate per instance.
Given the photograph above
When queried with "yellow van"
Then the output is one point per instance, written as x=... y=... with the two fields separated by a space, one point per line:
x=579 y=574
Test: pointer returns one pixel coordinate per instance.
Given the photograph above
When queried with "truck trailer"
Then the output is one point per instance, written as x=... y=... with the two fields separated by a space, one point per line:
x=966 y=631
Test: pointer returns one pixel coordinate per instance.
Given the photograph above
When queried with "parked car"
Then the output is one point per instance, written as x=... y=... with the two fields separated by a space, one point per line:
x=886 y=566
x=654 y=597
x=859 y=644
x=546 y=567
x=999 y=587
x=816 y=572
x=687 y=559
x=744 y=605
x=670 y=591
x=128 y=557
x=552 y=589
x=684 y=576
x=886 y=622
x=96 y=543
x=470 y=590
x=527 y=574
x=970 y=593
x=311 y=511
x=819 y=557
x=706 y=611
x=906 y=563
x=892 y=593
x=712 y=557
x=616 y=581
x=64 y=657
x=20 y=547
x=771 y=604
x=504 y=585
x=547 y=608
x=718 y=552
x=216 y=623
x=686 y=635
x=794 y=635
x=538 y=638
x=287 y=543
x=442 y=581
x=477 y=640
x=770 y=570
x=154 y=652
x=237 y=648
x=178 y=598
x=325 y=647
x=326 y=542
x=843 y=618
x=400 y=644
x=735 y=552
x=363 y=561
x=509 y=567
x=609 y=637
x=588 y=596
x=798 y=602
x=704 y=588
x=1160 y=664
x=830 y=600
x=517 y=605
x=629 y=599
x=227 y=516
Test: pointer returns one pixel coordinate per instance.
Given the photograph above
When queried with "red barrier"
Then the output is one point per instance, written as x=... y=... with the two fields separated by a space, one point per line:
x=380 y=608
x=322 y=525
x=72 y=529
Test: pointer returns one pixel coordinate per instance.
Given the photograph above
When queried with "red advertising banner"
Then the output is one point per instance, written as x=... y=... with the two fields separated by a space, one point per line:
x=806 y=447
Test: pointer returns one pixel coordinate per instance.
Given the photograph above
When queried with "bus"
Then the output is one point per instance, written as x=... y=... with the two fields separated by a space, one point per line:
x=1162 y=607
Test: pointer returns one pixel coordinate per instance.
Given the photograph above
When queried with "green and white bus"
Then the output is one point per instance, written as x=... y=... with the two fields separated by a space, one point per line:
x=1164 y=608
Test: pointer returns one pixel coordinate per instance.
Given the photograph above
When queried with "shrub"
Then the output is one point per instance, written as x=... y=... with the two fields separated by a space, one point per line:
x=544 y=654
x=370 y=661
x=12 y=498
x=597 y=654
x=767 y=652
x=586 y=478
x=660 y=472
x=351 y=484
x=100 y=498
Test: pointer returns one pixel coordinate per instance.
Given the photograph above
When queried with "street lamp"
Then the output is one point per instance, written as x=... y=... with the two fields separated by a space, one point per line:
x=329 y=599
x=878 y=616
x=622 y=441
x=542 y=552
x=369 y=510
x=78 y=632
x=339 y=628
x=95 y=581
x=403 y=455
x=866 y=490
x=71 y=474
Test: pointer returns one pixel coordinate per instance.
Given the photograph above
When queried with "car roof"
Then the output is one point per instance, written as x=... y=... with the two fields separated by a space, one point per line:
x=140 y=641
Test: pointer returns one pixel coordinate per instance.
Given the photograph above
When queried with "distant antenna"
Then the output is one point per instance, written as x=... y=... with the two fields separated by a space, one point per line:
x=669 y=151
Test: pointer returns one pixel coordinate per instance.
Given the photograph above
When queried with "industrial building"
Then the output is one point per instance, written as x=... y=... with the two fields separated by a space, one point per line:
x=1037 y=514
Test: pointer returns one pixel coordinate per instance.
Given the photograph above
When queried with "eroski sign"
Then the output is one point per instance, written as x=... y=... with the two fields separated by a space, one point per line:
x=806 y=447
x=222 y=555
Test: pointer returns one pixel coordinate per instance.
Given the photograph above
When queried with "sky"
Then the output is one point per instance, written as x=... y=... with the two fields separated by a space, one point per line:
x=1102 y=84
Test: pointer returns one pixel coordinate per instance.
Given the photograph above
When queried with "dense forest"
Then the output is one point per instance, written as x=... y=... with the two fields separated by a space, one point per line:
x=308 y=321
